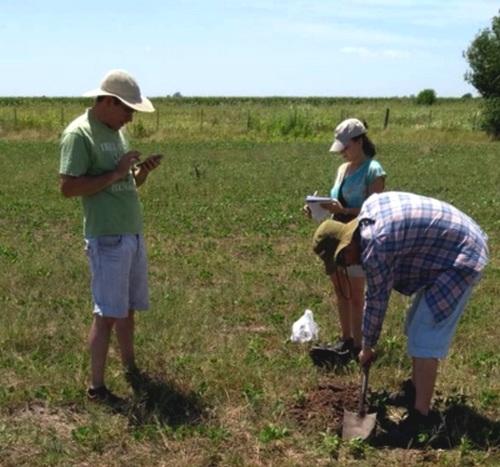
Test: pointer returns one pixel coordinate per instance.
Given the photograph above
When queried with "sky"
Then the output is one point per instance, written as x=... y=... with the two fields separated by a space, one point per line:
x=363 y=48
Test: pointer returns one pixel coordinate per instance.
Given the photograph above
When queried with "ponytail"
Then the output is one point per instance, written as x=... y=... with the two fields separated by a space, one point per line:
x=368 y=147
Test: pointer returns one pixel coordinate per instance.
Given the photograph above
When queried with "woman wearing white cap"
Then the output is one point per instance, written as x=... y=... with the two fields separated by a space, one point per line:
x=357 y=178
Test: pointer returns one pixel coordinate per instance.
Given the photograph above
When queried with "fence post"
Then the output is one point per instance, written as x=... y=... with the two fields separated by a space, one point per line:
x=294 y=122
x=248 y=120
x=157 y=119
x=201 y=118
x=15 y=117
x=62 y=116
x=386 y=118
x=430 y=117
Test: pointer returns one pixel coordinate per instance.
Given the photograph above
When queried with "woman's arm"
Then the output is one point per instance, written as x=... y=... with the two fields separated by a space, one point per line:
x=377 y=186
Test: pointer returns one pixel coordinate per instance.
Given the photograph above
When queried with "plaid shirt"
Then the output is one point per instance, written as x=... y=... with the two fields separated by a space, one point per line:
x=410 y=242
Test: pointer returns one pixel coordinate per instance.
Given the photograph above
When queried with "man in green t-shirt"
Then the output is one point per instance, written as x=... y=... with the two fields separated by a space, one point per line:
x=98 y=166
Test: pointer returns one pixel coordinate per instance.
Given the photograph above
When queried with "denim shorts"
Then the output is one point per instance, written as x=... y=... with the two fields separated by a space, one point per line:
x=118 y=265
x=426 y=338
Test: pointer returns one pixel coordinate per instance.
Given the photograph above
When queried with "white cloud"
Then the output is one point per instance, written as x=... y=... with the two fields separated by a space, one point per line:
x=396 y=54
x=401 y=14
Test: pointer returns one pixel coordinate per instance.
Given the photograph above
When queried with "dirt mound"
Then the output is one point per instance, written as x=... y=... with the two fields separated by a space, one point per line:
x=323 y=407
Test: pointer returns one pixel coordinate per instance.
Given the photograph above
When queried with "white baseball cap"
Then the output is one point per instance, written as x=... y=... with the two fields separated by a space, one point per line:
x=345 y=131
x=120 y=84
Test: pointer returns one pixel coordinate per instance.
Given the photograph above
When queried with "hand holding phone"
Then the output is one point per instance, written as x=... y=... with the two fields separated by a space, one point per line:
x=150 y=163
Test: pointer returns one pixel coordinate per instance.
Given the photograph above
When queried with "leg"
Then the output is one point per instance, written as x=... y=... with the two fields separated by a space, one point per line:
x=341 y=288
x=138 y=299
x=98 y=340
x=357 y=305
x=125 y=334
x=424 y=379
x=428 y=342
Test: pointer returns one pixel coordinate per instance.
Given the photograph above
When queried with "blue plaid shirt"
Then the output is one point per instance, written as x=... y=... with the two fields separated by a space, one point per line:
x=411 y=242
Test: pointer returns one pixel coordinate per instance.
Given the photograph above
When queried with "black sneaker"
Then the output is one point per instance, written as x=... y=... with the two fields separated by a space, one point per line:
x=347 y=350
x=355 y=353
x=137 y=379
x=415 y=430
x=103 y=395
x=405 y=396
x=329 y=356
x=343 y=345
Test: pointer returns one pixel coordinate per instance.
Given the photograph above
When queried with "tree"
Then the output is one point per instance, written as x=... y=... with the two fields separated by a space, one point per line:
x=484 y=60
x=490 y=118
x=426 y=97
x=483 y=56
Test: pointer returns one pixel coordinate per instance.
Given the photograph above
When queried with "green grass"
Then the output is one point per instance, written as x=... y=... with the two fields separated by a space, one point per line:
x=231 y=268
x=252 y=119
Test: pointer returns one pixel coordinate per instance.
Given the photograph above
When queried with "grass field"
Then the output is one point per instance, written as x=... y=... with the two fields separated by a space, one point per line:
x=254 y=119
x=231 y=268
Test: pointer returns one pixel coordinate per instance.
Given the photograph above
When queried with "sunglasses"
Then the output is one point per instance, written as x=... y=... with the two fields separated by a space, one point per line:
x=126 y=108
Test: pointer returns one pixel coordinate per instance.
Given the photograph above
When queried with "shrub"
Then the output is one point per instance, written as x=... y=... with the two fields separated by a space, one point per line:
x=490 y=117
x=426 y=97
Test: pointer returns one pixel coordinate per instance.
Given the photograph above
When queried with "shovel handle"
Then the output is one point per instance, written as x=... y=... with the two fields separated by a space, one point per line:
x=364 y=388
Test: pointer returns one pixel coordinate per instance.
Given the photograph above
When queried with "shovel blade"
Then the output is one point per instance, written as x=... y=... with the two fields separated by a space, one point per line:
x=358 y=426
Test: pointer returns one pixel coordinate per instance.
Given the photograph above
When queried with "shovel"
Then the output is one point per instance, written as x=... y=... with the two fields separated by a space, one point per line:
x=359 y=424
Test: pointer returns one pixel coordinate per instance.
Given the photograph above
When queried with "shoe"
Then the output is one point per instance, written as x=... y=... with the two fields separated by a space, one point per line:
x=343 y=345
x=137 y=379
x=415 y=430
x=347 y=345
x=103 y=395
x=405 y=396
x=355 y=353
x=329 y=356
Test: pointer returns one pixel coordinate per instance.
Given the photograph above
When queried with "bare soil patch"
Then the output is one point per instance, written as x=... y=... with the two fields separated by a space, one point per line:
x=323 y=407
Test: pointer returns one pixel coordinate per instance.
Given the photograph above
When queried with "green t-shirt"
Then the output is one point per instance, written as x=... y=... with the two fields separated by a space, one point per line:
x=88 y=147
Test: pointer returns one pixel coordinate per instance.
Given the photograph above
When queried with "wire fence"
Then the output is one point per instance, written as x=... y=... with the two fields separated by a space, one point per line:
x=258 y=117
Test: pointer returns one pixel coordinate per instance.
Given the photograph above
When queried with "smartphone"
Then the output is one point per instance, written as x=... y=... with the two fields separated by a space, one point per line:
x=157 y=157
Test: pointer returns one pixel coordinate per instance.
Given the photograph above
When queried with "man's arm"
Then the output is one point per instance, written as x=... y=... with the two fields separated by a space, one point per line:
x=378 y=290
x=378 y=266
x=86 y=185
x=379 y=284
x=142 y=169
x=89 y=185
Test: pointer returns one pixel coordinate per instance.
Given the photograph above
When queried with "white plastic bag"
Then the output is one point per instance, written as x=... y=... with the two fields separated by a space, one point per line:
x=305 y=329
